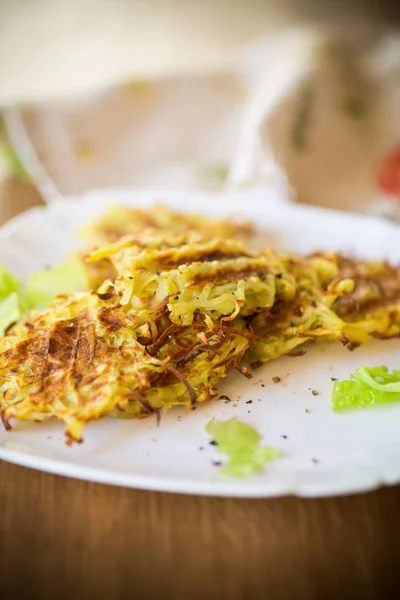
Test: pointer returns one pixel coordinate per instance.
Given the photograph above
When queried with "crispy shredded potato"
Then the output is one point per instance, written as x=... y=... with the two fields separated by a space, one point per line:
x=218 y=278
x=121 y=221
x=372 y=310
x=81 y=360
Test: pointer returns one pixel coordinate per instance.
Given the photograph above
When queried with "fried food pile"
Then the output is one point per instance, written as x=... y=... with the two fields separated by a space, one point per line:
x=120 y=221
x=179 y=302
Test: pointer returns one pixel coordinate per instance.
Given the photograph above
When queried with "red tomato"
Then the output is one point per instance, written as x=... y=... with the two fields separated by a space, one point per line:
x=389 y=174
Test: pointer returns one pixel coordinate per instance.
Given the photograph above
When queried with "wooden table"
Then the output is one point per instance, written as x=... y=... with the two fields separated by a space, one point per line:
x=61 y=538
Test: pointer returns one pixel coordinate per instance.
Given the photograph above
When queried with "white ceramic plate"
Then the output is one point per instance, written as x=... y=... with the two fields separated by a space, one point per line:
x=324 y=453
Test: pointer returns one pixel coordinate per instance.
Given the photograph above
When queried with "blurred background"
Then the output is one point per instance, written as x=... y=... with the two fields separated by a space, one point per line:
x=101 y=93
x=52 y=47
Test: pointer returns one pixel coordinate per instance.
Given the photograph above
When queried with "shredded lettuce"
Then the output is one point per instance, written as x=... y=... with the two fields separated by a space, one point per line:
x=366 y=387
x=10 y=312
x=69 y=276
x=240 y=442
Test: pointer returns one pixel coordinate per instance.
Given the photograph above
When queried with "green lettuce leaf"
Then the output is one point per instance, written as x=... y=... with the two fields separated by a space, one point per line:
x=10 y=312
x=11 y=300
x=366 y=387
x=40 y=289
x=8 y=284
x=69 y=276
x=240 y=442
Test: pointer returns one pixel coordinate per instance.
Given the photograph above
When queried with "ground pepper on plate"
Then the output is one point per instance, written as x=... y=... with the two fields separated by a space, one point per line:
x=226 y=398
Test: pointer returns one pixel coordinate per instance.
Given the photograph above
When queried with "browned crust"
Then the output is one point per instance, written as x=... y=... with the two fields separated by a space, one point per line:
x=227 y=274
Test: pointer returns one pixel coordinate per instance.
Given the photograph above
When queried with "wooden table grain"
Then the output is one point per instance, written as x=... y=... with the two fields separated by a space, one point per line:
x=64 y=538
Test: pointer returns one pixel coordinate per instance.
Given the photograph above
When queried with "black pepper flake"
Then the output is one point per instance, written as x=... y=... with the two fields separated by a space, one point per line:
x=333 y=378
x=201 y=448
x=308 y=410
x=216 y=463
x=176 y=298
x=276 y=379
x=279 y=275
x=223 y=397
x=130 y=277
x=213 y=443
x=314 y=392
x=249 y=402
x=315 y=461
x=285 y=437
x=249 y=411
x=313 y=303
x=262 y=385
